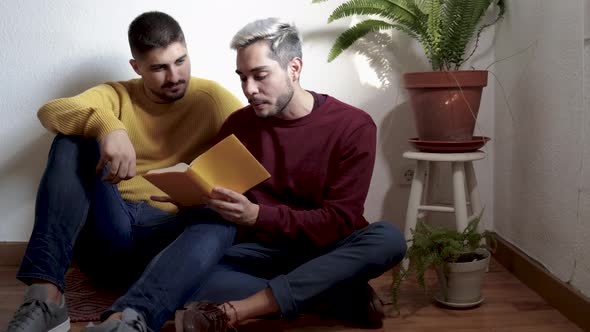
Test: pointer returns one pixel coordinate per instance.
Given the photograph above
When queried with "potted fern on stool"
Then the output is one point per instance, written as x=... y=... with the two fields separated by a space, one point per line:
x=446 y=100
x=459 y=258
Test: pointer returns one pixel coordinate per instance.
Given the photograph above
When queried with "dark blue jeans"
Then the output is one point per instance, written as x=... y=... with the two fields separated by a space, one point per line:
x=300 y=279
x=162 y=256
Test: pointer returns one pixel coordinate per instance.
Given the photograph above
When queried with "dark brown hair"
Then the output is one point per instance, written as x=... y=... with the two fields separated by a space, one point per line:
x=153 y=30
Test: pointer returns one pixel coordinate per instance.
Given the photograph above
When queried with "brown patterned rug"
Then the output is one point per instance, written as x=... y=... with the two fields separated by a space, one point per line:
x=86 y=299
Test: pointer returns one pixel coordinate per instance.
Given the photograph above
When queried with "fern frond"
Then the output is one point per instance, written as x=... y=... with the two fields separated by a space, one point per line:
x=350 y=36
x=454 y=15
x=433 y=31
x=383 y=8
x=479 y=9
x=501 y=10
x=419 y=24
x=408 y=6
x=422 y=5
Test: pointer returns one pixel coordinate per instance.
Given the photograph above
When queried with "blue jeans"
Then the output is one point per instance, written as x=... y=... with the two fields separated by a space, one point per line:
x=162 y=256
x=299 y=279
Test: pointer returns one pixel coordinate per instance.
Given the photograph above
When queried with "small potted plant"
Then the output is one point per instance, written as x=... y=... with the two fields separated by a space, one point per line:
x=459 y=258
x=446 y=100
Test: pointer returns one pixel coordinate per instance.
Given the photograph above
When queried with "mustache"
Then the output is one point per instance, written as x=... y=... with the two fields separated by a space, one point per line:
x=173 y=84
x=256 y=100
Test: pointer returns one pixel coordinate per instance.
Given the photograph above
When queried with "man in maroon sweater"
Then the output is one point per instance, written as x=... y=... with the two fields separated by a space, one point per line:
x=302 y=237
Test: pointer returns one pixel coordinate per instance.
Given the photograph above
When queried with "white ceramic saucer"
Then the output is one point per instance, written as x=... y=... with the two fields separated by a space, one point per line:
x=440 y=299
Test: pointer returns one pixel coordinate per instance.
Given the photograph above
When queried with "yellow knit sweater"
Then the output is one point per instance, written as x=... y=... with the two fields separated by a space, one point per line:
x=162 y=134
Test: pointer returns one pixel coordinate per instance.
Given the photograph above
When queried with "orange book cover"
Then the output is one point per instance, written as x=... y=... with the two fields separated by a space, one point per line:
x=227 y=164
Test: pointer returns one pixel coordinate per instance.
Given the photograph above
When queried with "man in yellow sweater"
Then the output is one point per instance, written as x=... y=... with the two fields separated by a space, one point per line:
x=93 y=203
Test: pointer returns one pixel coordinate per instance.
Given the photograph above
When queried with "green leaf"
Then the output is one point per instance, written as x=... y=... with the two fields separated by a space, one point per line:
x=350 y=36
x=384 y=8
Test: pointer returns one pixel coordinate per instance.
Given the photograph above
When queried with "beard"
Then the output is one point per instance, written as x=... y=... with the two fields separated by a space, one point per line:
x=171 y=96
x=282 y=101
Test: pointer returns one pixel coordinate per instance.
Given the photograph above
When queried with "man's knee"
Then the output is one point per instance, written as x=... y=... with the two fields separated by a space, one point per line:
x=387 y=241
x=67 y=150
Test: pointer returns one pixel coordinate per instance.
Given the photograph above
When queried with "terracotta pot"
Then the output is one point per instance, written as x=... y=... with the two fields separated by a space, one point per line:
x=446 y=103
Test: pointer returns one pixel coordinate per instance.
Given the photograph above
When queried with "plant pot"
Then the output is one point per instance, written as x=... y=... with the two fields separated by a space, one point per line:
x=446 y=103
x=460 y=283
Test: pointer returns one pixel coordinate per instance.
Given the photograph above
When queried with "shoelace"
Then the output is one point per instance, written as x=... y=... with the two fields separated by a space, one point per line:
x=218 y=322
x=138 y=325
x=27 y=313
x=224 y=324
x=135 y=324
x=237 y=320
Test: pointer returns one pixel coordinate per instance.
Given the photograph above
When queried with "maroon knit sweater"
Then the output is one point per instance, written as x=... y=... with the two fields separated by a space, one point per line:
x=320 y=166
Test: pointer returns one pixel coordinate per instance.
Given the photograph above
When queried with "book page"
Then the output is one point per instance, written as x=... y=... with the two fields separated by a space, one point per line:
x=180 y=167
x=230 y=165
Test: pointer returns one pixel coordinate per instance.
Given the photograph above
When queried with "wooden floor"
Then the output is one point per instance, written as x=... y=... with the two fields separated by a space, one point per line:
x=509 y=306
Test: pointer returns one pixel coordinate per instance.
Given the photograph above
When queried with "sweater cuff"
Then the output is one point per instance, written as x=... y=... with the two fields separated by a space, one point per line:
x=267 y=217
x=101 y=128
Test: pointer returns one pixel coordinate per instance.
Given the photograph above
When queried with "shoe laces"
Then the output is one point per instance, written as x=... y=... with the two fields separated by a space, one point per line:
x=216 y=315
x=228 y=326
x=136 y=323
x=138 y=326
x=227 y=315
x=27 y=313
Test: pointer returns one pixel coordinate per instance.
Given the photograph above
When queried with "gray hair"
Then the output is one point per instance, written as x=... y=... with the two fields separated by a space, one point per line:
x=283 y=38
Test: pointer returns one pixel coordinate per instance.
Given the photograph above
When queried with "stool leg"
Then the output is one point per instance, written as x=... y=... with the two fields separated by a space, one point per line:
x=459 y=196
x=414 y=201
x=473 y=192
x=474 y=198
x=432 y=171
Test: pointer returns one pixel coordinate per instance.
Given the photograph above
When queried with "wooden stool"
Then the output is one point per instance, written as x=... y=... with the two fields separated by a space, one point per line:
x=424 y=175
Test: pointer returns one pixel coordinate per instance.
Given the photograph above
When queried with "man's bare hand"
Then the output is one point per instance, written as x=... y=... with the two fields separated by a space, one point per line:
x=116 y=151
x=233 y=206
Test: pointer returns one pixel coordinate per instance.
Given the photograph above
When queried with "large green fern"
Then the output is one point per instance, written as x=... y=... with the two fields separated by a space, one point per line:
x=443 y=27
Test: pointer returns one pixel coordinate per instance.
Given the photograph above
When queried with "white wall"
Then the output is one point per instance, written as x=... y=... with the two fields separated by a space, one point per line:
x=59 y=48
x=581 y=275
x=541 y=152
x=535 y=182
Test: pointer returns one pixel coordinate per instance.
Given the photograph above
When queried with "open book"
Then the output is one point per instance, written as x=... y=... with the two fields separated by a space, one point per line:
x=227 y=164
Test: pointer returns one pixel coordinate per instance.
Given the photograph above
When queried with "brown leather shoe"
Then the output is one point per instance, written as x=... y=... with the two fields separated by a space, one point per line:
x=374 y=310
x=202 y=317
x=359 y=305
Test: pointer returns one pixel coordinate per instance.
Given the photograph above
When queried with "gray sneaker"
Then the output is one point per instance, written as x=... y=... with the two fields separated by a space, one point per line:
x=37 y=314
x=130 y=322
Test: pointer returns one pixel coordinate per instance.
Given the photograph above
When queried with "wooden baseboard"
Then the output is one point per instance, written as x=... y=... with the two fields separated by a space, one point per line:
x=11 y=253
x=569 y=301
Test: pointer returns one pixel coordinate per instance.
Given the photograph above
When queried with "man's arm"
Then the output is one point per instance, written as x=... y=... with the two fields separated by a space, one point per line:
x=93 y=113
